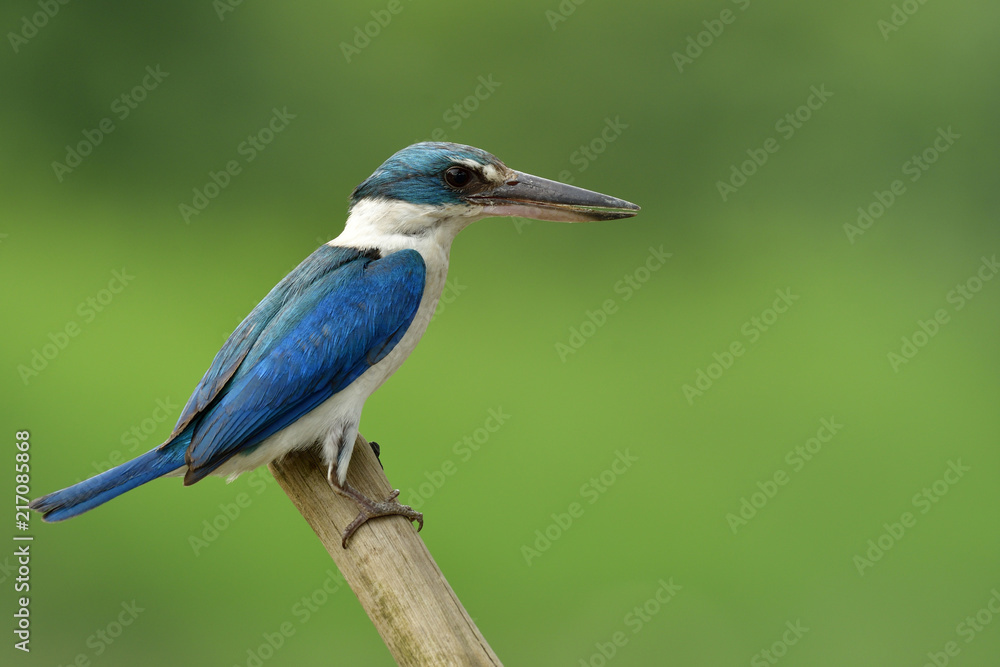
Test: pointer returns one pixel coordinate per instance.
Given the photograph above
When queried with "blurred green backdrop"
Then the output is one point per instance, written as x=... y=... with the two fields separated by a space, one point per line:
x=751 y=133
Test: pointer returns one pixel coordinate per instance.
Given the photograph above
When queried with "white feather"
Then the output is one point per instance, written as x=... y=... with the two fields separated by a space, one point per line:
x=389 y=226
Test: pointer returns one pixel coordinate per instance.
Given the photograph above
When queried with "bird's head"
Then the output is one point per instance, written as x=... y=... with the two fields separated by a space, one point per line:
x=452 y=185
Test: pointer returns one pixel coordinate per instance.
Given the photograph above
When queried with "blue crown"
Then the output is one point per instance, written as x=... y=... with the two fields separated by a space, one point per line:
x=415 y=174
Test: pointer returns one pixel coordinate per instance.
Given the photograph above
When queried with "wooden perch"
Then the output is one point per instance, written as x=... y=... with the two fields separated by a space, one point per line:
x=406 y=596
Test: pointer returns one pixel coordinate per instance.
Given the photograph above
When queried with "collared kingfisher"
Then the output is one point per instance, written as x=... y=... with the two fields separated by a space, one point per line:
x=297 y=371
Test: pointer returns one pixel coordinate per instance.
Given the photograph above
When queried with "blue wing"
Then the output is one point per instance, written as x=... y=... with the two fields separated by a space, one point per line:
x=333 y=317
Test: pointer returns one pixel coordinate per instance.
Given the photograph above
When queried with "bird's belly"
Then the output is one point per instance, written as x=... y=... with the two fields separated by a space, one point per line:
x=312 y=429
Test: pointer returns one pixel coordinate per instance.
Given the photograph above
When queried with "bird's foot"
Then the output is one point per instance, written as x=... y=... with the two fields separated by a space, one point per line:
x=371 y=509
x=388 y=507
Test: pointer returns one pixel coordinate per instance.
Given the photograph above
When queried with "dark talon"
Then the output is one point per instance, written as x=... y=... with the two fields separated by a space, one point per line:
x=378 y=450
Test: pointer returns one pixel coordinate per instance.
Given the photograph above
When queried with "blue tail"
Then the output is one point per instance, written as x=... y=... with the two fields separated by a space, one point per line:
x=98 y=490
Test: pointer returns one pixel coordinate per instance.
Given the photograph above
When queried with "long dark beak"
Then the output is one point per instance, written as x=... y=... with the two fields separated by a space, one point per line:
x=529 y=196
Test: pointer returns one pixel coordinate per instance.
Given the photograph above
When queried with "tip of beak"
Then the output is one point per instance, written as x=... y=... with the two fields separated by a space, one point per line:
x=613 y=209
x=625 y=210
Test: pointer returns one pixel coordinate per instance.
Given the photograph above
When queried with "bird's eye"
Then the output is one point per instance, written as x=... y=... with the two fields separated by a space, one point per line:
x=458 y=177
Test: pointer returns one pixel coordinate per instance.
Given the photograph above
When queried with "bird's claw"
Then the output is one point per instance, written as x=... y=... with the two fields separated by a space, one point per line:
x=378 y=451
x=388 y=507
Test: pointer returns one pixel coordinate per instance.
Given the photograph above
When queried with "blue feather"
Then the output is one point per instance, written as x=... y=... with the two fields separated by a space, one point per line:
x=98 y=490
x=313 y=347
x=328 y=321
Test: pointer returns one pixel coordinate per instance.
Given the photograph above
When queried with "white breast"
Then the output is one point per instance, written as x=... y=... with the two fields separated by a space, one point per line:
x=389 y=226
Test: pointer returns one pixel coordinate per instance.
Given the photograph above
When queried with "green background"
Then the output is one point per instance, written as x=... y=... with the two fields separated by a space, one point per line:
x=520 y=290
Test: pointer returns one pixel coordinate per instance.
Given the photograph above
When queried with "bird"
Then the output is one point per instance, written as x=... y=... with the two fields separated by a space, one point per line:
x=298 y=369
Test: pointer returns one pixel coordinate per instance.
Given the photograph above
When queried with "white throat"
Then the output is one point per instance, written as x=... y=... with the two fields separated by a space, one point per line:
x=392 y=225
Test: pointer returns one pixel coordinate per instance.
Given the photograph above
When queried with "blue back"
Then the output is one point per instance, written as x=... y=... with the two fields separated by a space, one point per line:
x=327 y=322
